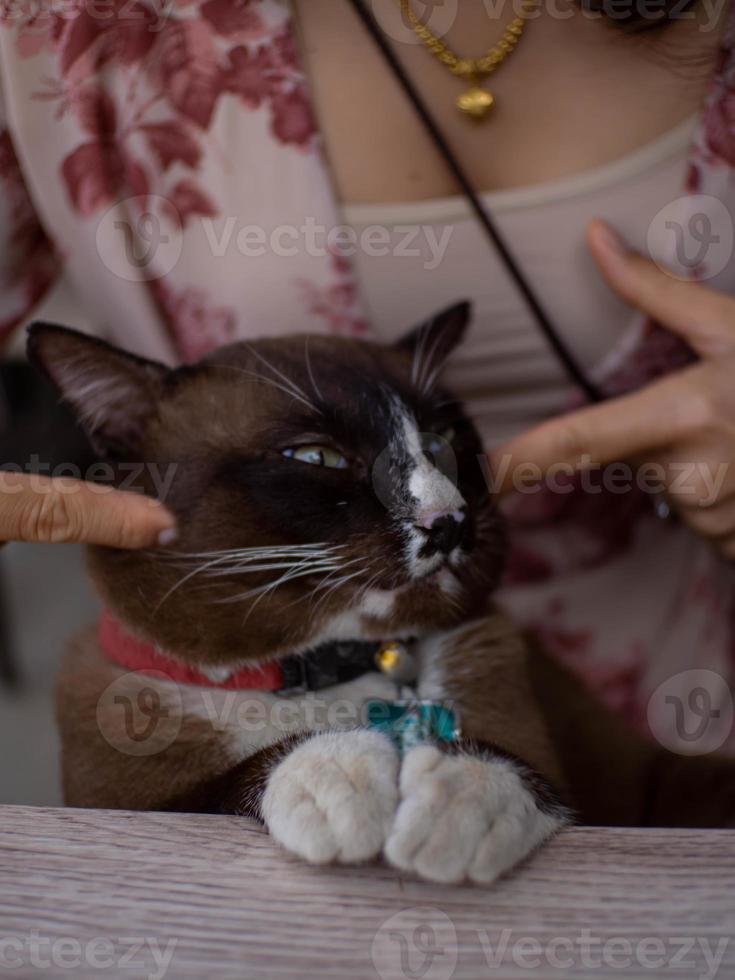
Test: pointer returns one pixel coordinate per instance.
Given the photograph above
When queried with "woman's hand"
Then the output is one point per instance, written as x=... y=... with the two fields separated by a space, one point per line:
x=684 y=422
x=41 y=508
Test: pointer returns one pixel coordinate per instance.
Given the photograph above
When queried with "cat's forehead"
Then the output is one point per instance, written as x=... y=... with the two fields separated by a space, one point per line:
x=314 y=362
x=351 y=388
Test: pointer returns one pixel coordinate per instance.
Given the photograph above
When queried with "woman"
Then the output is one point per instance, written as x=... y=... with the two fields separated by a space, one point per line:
x=169 y=163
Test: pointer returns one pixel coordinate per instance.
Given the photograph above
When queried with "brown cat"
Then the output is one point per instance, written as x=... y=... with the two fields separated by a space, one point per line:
x=329 y=501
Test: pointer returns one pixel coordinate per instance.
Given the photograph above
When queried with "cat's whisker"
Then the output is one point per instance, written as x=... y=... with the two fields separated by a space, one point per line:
x=204 y=568
x=416 y=364
x=431 y=376
x=297 y=390
x=182 y=581
x=298 y=570
x=239 y=556
x=320 y=546
x=368 y=585
x=422 y=359
x=242 y=562
x=318 y=563
x=317 y=588
x=431 y=380
x=311 y=595
x=343 y=580
x=222 y=566
x=307 y=358
x=224 y=572
x=275 y=384
x=262 y=590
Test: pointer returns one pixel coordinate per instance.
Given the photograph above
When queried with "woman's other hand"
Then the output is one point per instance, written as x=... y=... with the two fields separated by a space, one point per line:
x=685 y=422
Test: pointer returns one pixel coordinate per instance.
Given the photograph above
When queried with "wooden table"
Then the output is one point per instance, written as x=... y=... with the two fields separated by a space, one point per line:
x=99 y=893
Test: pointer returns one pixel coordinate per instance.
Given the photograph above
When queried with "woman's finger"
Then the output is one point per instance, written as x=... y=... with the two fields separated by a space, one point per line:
x=634 y=425
x=39 y=508
x=716 y=522
x=698 y=476
x=703 y=317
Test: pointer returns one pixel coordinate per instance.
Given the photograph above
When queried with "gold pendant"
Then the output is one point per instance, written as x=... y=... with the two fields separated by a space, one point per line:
x=475 y=102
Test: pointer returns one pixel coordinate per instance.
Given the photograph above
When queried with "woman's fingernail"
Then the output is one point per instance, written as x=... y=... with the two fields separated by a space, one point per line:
x=168 y=536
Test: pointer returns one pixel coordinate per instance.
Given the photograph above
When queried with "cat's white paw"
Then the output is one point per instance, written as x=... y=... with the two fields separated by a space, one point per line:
x=334 y=797
x=465 y=817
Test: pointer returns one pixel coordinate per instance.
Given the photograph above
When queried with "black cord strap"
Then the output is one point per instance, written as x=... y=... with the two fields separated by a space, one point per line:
x=571 y=365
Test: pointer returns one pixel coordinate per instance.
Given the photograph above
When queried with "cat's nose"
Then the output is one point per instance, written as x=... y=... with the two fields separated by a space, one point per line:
x=445 y=529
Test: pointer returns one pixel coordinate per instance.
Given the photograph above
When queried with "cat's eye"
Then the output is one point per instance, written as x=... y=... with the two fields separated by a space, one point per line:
x=318 y=456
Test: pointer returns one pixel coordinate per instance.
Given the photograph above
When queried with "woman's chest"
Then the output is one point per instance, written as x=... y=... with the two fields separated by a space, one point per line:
x=574 y=95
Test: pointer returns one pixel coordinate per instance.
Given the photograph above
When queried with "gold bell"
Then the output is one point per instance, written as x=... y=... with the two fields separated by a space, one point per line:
x=395 y=660
x=475 y=102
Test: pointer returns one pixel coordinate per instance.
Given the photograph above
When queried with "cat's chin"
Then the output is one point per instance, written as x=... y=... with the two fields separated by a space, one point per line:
x=443 y=578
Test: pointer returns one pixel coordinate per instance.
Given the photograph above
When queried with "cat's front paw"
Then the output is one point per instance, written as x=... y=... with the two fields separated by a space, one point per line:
x=462 y=816
x=333 y=798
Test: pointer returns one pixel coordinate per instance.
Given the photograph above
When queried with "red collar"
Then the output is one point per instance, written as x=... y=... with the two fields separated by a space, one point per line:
x=134 y=654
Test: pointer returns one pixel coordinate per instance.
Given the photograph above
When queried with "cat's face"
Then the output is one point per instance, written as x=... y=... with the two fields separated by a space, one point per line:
x=324 y=488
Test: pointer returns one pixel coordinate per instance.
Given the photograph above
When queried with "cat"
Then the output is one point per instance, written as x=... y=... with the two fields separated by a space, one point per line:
x=333 y=518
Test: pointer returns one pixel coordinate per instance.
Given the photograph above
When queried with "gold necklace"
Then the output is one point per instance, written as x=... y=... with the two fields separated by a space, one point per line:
x=475 y=102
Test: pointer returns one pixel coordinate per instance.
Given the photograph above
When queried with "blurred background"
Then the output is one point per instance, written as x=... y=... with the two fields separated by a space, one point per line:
x=44 y=594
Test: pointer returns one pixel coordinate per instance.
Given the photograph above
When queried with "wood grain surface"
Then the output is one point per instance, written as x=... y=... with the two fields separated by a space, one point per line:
x=101 y=893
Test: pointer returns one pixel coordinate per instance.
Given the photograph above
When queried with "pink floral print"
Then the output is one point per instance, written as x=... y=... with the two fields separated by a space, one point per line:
x=28 y=263
x=336 y=305
x=180 y=71
x=197 y=324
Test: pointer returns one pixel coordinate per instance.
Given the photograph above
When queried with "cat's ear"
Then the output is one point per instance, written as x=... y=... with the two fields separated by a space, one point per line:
x=433 y=341
x=111 y=393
